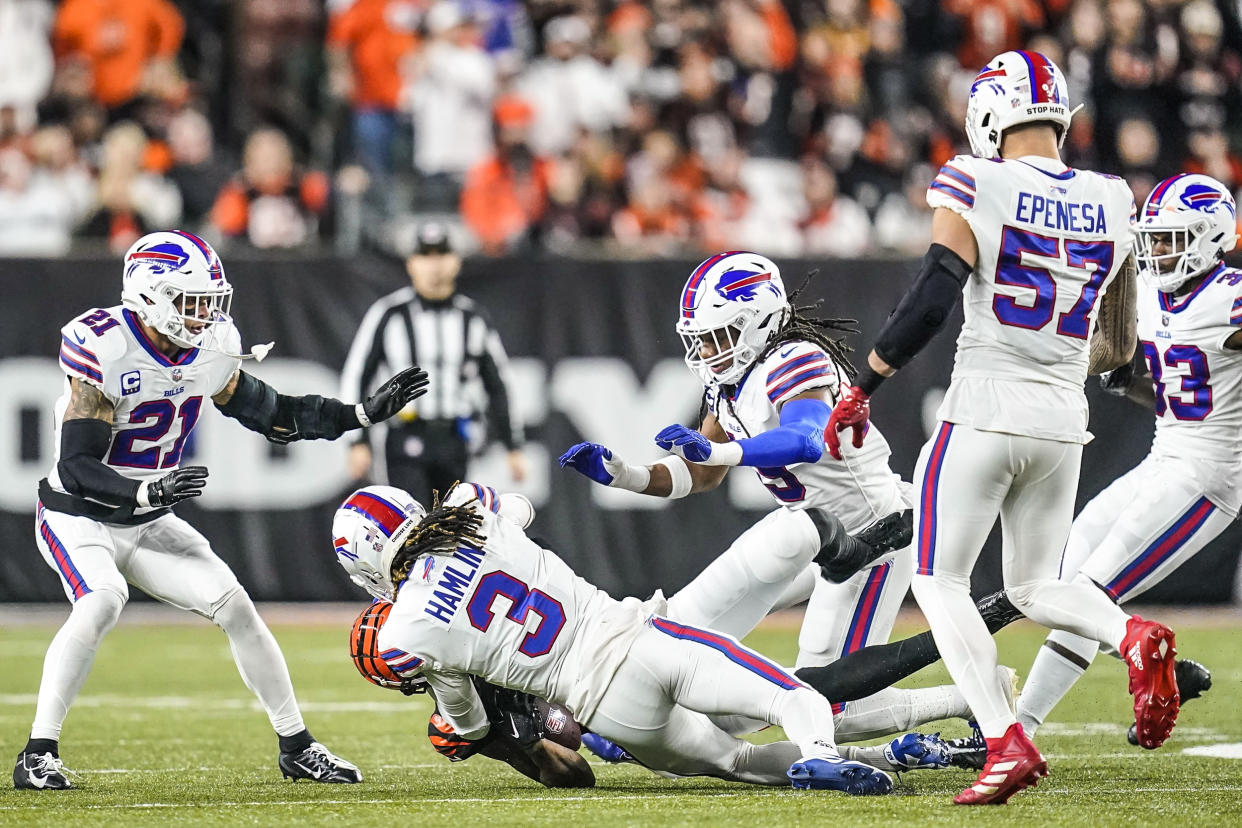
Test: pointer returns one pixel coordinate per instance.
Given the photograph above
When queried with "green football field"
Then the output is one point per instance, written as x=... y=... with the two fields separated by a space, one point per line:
x=165 y=733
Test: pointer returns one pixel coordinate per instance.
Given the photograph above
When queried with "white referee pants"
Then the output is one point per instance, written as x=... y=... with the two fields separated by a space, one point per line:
x=964 y=479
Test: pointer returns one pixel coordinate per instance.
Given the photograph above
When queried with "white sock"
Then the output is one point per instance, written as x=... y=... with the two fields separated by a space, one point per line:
x=70 y=656
x=895 y=710
x=967 y=649
x=1058 y=664
x=260 y=662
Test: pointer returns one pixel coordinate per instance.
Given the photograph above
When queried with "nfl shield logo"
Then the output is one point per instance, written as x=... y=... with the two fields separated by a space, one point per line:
x=176 y=374
x=1164 y=320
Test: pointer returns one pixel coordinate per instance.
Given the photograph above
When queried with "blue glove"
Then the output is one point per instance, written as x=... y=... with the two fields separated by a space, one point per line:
x=685 y=443
x=592 y=460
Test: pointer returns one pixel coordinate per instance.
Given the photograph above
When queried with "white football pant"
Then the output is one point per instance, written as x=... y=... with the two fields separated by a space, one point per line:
x=171 y=561
x=674 y=674
x=1130 y=537
x=963 y=480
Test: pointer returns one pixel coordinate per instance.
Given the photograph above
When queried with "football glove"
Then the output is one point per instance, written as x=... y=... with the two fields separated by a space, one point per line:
x=602 y=466
x=1117 y=381
x=852 y=411
x=686 y=443
x=403 y=388
x=176 y=486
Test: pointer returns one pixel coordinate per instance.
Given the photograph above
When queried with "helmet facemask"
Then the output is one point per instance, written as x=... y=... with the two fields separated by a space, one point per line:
x=1170 y=270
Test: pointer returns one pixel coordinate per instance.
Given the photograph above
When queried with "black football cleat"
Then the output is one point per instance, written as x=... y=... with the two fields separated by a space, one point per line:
x=839 y=561
x=40 y=772
x=318 y=764
x=1193 y=680
x=969 y=752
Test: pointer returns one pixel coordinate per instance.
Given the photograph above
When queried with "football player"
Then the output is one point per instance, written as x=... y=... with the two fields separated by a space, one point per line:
x=137 y=378
x=1187 y=490
x=771 y=375
x=476 y=597
x=1035 y=245
x=536 y=739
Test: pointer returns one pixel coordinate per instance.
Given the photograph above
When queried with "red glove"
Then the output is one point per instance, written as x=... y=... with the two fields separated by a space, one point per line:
x=852 y=411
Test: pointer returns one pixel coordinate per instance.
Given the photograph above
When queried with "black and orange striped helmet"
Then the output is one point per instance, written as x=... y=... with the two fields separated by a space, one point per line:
x=364 y=650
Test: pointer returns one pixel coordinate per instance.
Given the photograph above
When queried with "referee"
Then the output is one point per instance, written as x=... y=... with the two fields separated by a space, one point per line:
x=430 y=324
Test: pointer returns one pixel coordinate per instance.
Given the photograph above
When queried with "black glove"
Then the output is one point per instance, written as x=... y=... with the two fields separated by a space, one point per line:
x=1118 y=381
x=176 y=486
x=515 y=713
x=408 y=385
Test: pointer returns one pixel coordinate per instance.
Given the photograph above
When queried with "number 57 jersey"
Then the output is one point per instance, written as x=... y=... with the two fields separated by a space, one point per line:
x=1050 y=241
x=512 y=613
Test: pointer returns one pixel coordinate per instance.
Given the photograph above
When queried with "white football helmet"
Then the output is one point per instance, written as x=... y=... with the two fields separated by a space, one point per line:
x=368 y=529
x=1015 y=88
x=736 y=302
x=174 y=278
x=1196 y=219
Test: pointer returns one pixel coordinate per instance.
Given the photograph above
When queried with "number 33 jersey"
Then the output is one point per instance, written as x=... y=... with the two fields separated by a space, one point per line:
x=1198 y=381
x=512 y=613
x=157 y=400
x=1050 y=240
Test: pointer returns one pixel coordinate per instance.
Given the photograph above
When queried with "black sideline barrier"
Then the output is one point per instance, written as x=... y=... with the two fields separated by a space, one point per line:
x=595 y=357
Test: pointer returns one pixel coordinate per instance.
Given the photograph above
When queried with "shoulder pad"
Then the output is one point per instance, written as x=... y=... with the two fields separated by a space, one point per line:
x=797 y=367
x=464 y=493
x=955 y=185
x=91 y=343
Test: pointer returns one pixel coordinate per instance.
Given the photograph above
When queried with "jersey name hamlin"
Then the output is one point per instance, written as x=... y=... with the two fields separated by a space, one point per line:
x=451 y=588
x=1076 y=217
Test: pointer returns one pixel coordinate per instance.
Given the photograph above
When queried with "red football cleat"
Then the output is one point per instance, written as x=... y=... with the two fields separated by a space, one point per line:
x=1148 y=650
x=1013 y=763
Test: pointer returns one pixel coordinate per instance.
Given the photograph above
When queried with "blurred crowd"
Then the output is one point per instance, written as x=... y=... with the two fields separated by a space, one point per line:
x=800 y=127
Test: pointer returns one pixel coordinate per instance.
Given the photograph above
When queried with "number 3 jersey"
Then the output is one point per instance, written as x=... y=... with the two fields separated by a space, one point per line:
x=1050 y=240
x=511 y=613
x=857 y=489
x=157 y=400
x=1198 y=381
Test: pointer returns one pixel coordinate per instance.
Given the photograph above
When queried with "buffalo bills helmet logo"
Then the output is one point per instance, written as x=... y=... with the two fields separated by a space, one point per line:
x=744 y=285
x=1204 y=198
x=160 y=258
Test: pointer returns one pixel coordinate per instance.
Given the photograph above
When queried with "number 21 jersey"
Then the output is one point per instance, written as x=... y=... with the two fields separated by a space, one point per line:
x=1050 y=240
x=157 y=399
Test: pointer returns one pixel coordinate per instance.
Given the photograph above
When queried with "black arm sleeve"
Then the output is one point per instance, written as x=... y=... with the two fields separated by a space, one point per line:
x=923 y=309
x=282 y=419
x=83 y=444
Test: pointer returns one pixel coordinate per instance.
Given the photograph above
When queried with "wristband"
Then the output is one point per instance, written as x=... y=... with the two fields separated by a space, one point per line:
x=868 y=380
x=679 y=475
x=360 y=412
x=143 y=497
x=630 y=477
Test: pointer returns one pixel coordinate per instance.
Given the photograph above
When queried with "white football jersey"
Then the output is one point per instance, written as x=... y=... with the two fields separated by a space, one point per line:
x=1198 y=381
x=512 y=613
x=857 y=489
x=1050 y=240
x=157 y=400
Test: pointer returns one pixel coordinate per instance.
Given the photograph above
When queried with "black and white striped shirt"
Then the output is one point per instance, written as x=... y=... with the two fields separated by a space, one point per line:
x=452 y=340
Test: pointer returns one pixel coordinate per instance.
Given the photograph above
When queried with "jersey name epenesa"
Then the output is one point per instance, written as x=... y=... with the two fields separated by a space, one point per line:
x=859 y=488
x=157 y=400
x=511 y=613
x=1198 y=382
x=1050 y=240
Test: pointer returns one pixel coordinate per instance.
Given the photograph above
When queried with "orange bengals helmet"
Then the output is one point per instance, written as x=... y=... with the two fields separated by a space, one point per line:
x=364 y=651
